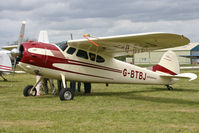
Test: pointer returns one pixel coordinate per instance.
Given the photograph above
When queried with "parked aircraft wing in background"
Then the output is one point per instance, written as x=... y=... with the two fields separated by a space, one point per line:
x=190 y=56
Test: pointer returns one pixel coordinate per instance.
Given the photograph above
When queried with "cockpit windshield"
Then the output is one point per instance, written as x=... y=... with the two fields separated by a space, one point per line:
x=62 y=45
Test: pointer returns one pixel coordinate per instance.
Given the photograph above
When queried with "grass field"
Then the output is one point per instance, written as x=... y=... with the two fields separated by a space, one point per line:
x=113 y=109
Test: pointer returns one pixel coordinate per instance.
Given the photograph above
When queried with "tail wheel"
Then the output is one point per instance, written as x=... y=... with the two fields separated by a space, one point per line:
x=27 y=91
x=66 y=94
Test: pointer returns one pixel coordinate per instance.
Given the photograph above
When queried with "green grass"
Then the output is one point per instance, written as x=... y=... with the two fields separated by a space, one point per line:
x=113 y=109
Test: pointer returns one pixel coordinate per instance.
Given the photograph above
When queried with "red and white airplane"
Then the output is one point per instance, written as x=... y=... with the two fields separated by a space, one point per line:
x=91 y=60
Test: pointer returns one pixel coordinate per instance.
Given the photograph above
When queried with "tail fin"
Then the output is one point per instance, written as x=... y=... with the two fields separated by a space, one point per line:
x=168 y=64
x=43 y=37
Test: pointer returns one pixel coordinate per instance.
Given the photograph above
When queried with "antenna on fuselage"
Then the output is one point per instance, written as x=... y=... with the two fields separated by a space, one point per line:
x=71 y=36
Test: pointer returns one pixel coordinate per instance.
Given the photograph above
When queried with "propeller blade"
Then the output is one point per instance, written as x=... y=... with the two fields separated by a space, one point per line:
x=15 y=52
x=22 y=31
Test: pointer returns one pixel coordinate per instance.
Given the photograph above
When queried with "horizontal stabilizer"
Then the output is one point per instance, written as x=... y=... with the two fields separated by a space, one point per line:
x=191 y=76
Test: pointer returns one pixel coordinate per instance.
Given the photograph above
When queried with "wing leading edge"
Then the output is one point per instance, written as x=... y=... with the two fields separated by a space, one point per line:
x=127 y=44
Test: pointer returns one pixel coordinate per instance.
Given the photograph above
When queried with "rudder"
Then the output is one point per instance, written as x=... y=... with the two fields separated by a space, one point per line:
x=168 y=64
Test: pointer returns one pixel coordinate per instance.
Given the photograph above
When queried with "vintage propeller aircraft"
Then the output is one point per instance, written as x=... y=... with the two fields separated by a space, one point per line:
x=91 y=60
x=5 y=64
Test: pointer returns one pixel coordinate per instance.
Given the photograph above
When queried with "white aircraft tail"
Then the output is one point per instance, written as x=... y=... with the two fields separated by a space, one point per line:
x=168 y=64
x=43 y=37
x=169 y=67
x=5 y=62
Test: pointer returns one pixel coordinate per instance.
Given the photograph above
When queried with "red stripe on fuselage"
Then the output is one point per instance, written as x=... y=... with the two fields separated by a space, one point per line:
x=81 y=73
x=5 y=66
x=162 y=69
x=6 y=69
x=79 y=63
x=51 y=61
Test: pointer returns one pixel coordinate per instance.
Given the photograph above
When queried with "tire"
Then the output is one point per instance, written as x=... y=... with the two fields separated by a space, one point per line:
x=66 y=94
x=26 y=91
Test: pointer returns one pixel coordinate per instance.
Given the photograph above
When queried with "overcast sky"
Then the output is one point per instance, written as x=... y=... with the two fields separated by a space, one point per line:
x=97 y=17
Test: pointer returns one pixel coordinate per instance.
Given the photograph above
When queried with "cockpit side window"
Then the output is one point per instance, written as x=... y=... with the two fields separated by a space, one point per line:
x=92 y=56
x=62 y=45
x=82 y=54
x=71 y=50
x=100 y=59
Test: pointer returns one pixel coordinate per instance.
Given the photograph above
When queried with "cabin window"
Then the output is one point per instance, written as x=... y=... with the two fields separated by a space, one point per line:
x=100 y=59
x=82 y=54
x=92 y=56
x=71 y=50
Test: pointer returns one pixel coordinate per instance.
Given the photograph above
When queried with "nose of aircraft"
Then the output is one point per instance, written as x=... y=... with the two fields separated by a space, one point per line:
x=23 y=52
x=32 y=53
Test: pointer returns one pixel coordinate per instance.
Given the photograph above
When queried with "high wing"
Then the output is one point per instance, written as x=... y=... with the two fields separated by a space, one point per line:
x=128 y=44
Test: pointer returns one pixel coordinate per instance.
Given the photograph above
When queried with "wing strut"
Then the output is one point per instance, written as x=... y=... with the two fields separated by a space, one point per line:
x=86 y=37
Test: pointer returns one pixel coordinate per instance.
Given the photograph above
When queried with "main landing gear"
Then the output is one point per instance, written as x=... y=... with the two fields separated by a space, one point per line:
x=65 y=93
x=169 y=87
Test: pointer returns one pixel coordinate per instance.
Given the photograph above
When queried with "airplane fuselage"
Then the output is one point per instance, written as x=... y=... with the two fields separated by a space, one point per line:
x=50 y=61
